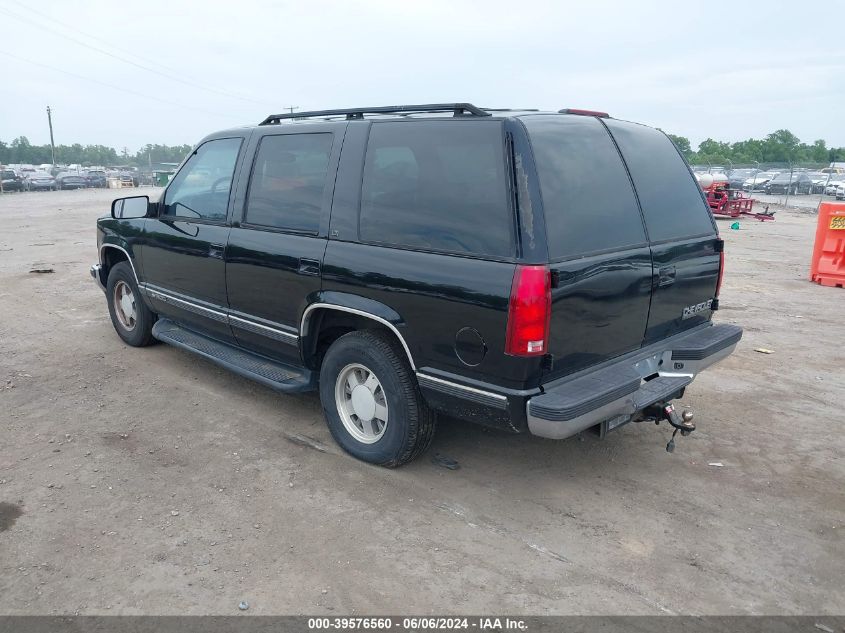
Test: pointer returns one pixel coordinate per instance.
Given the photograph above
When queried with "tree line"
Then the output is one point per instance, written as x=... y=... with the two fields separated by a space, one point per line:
x=781 y=146
x=21 y=150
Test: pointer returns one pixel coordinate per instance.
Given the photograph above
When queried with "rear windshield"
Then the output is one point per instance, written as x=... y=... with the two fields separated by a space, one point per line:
x=587 y=196
x=669 y=195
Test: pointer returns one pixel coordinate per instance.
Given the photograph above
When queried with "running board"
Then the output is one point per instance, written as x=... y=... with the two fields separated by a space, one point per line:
x=272 y=373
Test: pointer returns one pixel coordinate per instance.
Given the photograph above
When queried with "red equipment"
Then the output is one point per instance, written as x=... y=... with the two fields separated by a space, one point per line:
x=730 y=203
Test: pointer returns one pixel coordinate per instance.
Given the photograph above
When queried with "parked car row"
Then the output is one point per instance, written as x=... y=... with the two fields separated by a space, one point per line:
x=779 y=182
x=40 y=180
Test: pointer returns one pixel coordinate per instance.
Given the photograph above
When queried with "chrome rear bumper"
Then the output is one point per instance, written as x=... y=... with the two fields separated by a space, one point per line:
x=619 y=389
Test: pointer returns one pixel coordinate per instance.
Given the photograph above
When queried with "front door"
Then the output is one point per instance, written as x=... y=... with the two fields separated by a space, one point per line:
x=182 y=249
x=276 y=248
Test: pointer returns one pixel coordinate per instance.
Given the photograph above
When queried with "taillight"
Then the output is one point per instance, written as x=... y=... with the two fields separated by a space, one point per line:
x=720 y=247
x=721 y=272
x=529 y=312
x=582 y=112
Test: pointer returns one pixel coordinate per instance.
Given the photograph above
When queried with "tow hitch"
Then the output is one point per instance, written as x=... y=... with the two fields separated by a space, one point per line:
x=681 y=422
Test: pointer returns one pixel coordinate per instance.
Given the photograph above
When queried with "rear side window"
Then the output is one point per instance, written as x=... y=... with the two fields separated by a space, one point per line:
x=437 y=185
x=587 y=196
x=288 y=182
x=669 y=195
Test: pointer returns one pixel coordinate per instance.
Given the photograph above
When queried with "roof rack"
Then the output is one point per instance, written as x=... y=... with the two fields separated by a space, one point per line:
x=510 y=109
x=458 y=109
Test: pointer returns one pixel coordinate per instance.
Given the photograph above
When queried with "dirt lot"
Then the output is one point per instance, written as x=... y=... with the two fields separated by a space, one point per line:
x=148 y=481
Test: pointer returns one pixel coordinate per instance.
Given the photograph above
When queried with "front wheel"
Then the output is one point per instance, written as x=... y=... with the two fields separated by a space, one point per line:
x=132 y=319
x=371 y=400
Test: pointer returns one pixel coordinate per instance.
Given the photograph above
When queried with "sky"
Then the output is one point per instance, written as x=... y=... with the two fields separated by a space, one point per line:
x=170 y=72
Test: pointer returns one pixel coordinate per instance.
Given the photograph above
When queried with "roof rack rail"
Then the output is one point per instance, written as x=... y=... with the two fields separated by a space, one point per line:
x=458 y=109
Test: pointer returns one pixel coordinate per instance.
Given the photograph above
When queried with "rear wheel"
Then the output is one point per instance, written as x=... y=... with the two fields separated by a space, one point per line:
x=371 y=400
x=132 y=319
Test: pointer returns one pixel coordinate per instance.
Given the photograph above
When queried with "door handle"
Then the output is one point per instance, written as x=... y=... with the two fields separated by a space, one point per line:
x=666 y=276
x=309 y=267
x=216 y=250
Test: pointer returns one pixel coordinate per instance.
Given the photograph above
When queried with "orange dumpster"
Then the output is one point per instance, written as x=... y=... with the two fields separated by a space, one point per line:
x=828 y=265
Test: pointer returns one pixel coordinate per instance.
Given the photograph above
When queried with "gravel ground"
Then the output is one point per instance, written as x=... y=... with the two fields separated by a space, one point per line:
x=799 y=202
x=147 y=481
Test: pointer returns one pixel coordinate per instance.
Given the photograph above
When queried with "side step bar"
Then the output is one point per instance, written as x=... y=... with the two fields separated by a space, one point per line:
x=271 y=373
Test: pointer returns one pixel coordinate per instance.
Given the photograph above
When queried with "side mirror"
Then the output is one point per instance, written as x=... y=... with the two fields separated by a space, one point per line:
x=130 y=208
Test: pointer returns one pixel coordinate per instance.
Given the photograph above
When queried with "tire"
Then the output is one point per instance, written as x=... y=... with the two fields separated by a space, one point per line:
x=408 y=429
x=134 y=325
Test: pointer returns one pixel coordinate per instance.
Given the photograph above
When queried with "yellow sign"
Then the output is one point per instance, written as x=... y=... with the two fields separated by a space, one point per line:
x=838 y=222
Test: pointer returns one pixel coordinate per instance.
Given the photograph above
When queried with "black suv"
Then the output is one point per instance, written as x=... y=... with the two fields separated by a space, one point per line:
x=532 y=271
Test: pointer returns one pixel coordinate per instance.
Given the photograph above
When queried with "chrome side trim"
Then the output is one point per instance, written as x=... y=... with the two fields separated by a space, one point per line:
x=219 y=314
x=478 y=395
x=125 y=252
x=264 y=330
x=332 y=306
x=190 y=306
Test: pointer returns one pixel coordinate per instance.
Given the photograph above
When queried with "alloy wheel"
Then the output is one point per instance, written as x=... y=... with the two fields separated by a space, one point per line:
x=361 y=403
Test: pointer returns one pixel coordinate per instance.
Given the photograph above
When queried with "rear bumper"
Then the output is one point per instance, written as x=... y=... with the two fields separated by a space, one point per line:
x=616 y=391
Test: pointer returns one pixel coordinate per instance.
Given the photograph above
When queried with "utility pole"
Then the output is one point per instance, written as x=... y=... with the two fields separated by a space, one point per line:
x=789 y=186
x=291 y=108
x=52 y=143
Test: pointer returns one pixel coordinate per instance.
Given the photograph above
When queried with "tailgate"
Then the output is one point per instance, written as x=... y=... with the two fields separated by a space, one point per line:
x=681 y=230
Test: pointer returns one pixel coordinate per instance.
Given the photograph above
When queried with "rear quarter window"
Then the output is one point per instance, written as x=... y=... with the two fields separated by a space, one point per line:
x=671 y=200
x=438 y=186
x=587 y=196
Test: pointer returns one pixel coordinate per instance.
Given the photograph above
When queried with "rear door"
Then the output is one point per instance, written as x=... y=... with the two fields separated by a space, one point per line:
x=598 y=249
x=276 y=246
x=680 y=227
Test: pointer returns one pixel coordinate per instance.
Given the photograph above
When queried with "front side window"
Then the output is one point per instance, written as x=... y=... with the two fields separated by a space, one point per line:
x=437 y=185
x=200 y=191
x=288 y=182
